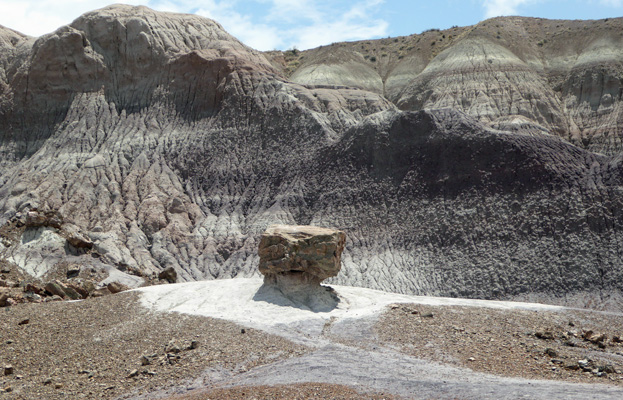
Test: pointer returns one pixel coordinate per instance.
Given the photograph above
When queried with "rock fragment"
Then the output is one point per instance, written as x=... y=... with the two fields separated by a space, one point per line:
x=116 y=287
x=168 y=274
x=55 y=289
x=4 y=299
x=76 y=238
x=544 y=335
x=551 y=352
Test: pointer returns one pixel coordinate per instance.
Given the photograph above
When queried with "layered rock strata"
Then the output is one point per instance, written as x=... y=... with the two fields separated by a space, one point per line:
x=537 y=76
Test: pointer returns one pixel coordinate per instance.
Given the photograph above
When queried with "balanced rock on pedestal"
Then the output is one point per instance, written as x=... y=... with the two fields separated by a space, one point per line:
x=295 y=259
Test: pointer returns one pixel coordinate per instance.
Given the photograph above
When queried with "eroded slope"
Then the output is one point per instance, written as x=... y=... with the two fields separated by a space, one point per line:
x=168 y=143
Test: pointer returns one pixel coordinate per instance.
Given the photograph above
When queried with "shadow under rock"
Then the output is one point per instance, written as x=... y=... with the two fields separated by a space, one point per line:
x=315 y=298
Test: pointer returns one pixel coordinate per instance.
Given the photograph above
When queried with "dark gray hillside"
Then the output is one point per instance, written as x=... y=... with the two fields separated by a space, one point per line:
x=458 y=209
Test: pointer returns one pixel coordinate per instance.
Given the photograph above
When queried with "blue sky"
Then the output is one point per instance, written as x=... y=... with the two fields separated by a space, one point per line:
x=302 y=24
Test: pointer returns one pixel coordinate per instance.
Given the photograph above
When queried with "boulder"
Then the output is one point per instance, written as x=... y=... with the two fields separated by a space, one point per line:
x=36 y=218
x=76 y=238
x=33 y=288
x=4 y=299
x=55 y=288
x=294 y=260
x=309 y=252
x=169 y=274
x=117 y=287
x=84 y=293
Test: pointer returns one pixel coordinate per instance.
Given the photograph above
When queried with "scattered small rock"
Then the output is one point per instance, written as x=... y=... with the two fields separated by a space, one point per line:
x=76 y=238
x=55 y=289
x=100 y=292
x=145 y=360
x=58 y=385
x=544 y=335
x=32 y=288
x=243 y=330
x=4 y=299
x=47 y=381
x=8 y=369
x=471 y=359
x=33 y=297
x=79 y=290
x=73 y=270
x=133 y=373
x=597 y=338
x=53 y=298
x=572 y=366
x=24 y=322
x=585 y=364
x=551 y=352
x=8 y=283
x=194 y=345
x=172 y=348
x=426 y=315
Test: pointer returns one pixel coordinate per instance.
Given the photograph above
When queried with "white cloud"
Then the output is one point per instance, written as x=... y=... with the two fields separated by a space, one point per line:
x=315 y=25
x=262 y=24
x=612 y=3
x=496 y=8
x=354 y=24
x=257 y=35
x=36 y=18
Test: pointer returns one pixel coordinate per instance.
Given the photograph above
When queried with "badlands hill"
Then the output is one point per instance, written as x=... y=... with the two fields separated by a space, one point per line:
x=512 y=73
x=478 y=162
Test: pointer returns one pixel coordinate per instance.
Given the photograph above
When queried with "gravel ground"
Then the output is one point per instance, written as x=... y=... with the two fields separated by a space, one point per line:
x=93 y=349
x=515 y=343
x=97 y=348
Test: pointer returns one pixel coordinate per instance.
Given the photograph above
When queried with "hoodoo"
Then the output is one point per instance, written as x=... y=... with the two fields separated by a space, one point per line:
x=295 y=259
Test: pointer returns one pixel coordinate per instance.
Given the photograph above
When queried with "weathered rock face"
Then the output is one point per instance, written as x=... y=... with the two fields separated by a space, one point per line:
x=310 y=252
x=294 y=260
x=166 y=143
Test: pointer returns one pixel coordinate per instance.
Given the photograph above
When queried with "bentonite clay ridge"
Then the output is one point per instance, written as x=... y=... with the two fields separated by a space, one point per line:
x=165 y=142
